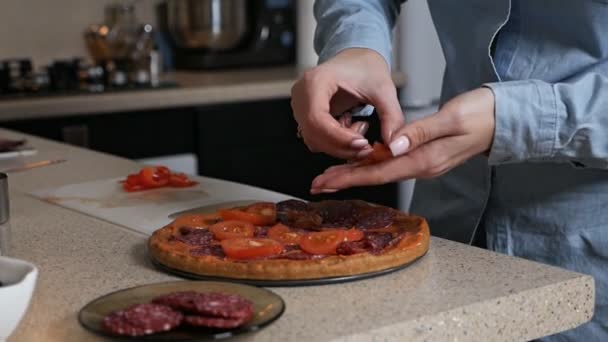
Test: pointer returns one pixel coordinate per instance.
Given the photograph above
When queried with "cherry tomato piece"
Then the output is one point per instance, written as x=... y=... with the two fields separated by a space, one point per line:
x=379 y=154
x=154 y=176
x=225 y=230
x=180 y=180
x=259 y=214
x=196 y=220
x=247 y=248
x=353 y=235
x=283 y=234
x=324 y=242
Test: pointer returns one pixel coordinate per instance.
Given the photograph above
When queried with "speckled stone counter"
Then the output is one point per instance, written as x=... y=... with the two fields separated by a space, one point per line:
x=455 y=293
x=194 y=89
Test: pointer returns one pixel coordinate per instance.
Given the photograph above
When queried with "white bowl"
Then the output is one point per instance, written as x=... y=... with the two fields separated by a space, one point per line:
x=18 y=278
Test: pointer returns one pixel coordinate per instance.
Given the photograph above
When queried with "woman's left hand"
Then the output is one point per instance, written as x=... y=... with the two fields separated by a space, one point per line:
x=426 y=148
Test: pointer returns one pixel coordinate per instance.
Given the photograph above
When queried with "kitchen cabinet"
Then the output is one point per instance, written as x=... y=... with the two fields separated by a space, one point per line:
x=248 y=142
x=131 y=135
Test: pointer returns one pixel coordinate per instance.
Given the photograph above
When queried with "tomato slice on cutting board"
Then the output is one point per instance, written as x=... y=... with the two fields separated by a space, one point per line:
x=259 y=214
x=226 y=230
x=196 y=220
x=154 y=176
x=180 y=180
x=324 y=242
x=246 y=248
x=284 y=235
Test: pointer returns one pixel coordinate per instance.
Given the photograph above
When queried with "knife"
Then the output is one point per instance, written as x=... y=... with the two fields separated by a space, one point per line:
x=211 y=208
x=33 y=165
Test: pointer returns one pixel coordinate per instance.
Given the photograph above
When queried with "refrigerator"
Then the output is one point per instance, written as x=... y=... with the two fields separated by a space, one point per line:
x=418 y=54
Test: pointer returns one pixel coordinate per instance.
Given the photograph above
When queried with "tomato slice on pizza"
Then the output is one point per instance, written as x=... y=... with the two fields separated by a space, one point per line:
x=283 y=234
x=353 y=235
x=225 y=230
x=248 y=248
x=259 y=214
x=196 y=220
x=322 y=242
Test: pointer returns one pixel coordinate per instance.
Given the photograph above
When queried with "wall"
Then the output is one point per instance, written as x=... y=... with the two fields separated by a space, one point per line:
x=52 y=29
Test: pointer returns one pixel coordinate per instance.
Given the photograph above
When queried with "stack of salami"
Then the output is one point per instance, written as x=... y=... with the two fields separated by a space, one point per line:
x=167 y=312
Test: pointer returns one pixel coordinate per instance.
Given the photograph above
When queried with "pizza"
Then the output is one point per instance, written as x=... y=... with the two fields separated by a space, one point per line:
x=291 y=240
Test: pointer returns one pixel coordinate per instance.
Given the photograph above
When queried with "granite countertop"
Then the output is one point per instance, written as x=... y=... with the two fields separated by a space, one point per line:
x=194 y=89
x=454 y=293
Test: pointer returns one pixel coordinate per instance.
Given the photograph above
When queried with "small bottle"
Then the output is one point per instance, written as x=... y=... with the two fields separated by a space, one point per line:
x=5 y=227
x=156 y=67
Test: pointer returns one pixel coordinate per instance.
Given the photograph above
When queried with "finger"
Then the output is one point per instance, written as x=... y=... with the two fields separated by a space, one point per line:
x=389 y=171
x=342 y=101
x=430 y=160
x=389 y=110
x=326 y=134
x=336 y=168
x=419 y=132
x=339 y=168
x=360 y=127
x=346 y=120
x=321 y=132
x=346 y=153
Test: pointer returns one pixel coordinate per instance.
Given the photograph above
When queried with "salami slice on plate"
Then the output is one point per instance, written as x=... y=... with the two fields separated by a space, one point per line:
x=142 y=319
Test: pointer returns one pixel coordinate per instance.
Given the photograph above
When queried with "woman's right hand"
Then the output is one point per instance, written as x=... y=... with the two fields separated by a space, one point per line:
x=353 y=77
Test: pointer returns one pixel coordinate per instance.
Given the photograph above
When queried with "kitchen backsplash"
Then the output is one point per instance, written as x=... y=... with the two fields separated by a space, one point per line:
x=53 y=29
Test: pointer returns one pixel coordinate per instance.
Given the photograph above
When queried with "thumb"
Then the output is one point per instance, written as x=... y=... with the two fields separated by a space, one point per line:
x=419 y=132
x=389 y=111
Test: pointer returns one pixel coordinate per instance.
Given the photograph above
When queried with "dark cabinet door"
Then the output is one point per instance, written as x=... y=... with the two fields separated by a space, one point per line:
x=130 y=135
x=256 y=144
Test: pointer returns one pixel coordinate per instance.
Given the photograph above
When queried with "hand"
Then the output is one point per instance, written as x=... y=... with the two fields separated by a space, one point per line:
x=426 y=148
x=353 y=77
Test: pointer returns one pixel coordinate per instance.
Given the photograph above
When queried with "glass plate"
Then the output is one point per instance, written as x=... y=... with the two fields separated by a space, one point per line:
x=268 y=307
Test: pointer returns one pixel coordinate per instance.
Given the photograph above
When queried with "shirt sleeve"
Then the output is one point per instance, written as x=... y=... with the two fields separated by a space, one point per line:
x=559 y=122
x=354 y=24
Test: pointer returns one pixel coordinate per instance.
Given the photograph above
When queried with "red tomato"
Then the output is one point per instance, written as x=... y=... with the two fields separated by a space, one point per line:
x=260 y=214
x=379 y=154
x=244 y=248
x=133 y=179
x=322 y=242
x=132 y=187
x=353 y=235
x=196 y=220
x=232 y=229
x=154 y=176
x=283 y=234
x=180 y=180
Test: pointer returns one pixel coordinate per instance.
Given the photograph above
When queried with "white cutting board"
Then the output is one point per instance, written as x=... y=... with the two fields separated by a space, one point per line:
x=148 y=210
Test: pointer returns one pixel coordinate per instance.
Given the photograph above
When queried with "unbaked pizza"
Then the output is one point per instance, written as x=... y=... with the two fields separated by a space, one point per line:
x=291 y=240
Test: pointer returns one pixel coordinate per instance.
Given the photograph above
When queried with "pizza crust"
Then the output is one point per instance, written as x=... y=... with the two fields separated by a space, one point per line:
x=175 y=254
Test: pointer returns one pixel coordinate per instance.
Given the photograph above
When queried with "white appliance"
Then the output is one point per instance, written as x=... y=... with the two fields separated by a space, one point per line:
x=418 y=54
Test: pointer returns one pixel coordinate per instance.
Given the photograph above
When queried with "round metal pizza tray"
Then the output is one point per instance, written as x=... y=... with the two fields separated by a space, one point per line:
x=283 y=283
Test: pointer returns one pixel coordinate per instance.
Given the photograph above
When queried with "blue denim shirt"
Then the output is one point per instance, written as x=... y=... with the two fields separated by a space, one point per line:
x=542 y=193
